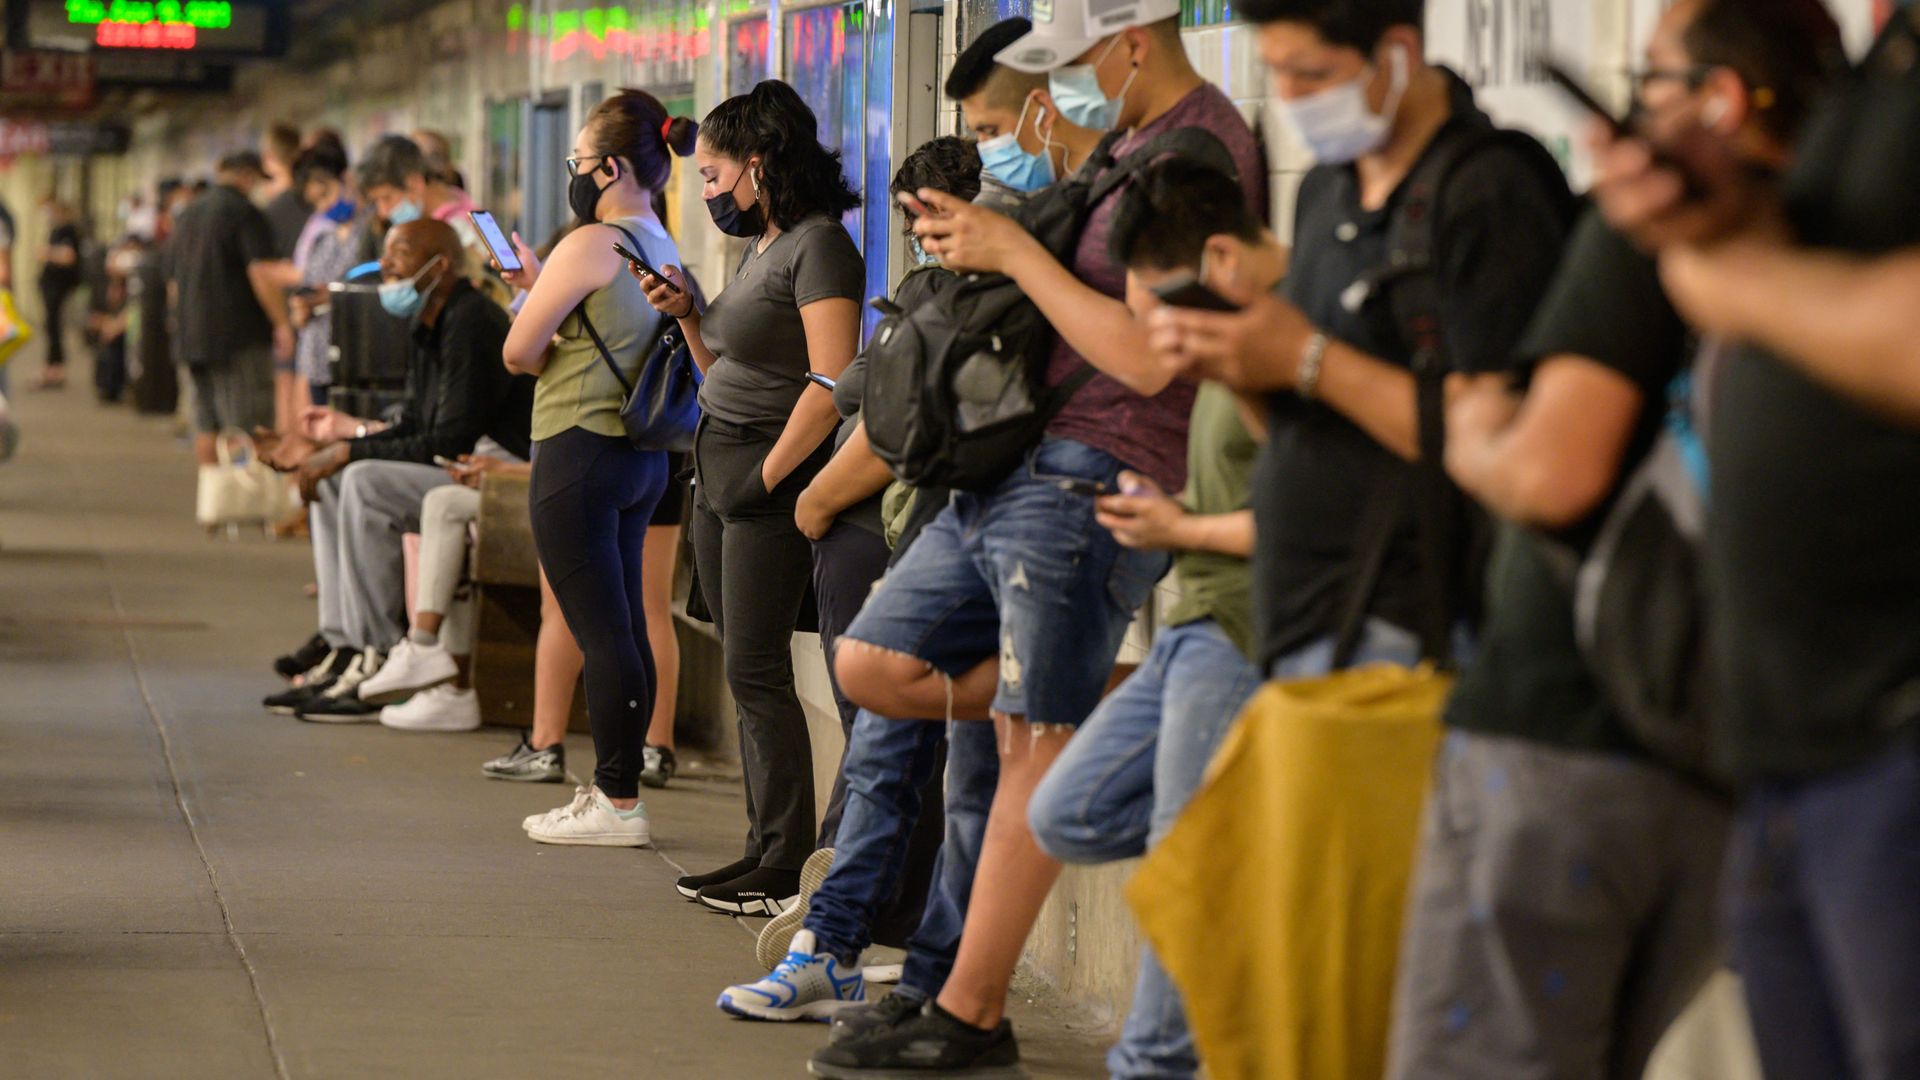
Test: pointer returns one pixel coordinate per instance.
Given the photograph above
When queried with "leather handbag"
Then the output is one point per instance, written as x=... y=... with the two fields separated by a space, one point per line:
x=662 y=408
x=241 y=492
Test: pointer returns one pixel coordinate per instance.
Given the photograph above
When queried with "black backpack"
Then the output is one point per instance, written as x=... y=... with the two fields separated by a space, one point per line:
x=956 y=386
x=1638 y=613
x=1454 y=535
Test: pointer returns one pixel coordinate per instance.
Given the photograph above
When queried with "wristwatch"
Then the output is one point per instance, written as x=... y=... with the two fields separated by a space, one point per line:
x=1308 y=380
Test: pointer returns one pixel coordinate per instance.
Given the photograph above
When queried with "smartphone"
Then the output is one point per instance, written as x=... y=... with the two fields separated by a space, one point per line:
x=821 y=381
x=496 y=241
x=1187 y=292
x=448 y=463
x=644 y=267
x=1578 y=91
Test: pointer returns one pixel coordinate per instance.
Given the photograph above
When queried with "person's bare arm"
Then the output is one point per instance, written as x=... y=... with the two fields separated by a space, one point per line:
x=280 y=273
x=1547 y=459
x=833 y=333
x=856 y=473
x=1097 y=326
x=1848 y=322
x=582 y=263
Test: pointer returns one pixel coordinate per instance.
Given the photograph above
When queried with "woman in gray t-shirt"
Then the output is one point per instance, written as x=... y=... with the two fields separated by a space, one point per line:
x=792 y=307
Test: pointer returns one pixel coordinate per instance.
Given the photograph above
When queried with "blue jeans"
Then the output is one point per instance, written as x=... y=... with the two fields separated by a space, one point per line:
x=973 y=772
x=1023 y=571
x=888 y=763
x=1121 y=783
x=1824 y=907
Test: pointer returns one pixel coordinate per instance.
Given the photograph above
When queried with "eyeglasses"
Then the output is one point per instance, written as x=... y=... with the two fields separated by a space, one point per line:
x=573 y=163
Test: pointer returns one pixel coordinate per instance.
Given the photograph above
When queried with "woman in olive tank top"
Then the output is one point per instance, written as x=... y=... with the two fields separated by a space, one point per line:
x=593 y=493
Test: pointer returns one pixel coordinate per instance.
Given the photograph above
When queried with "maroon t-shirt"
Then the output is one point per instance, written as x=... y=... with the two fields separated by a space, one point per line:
x=1147 y=433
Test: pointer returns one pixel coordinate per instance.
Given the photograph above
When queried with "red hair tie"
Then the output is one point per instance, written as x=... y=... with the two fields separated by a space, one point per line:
x=666 y=126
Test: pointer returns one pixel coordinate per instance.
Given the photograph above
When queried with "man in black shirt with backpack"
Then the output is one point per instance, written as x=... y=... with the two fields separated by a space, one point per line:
x=1812 y=548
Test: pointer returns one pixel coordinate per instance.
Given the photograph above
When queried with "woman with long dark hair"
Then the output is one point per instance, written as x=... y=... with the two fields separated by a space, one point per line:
x=792 y=307
x=593 y=492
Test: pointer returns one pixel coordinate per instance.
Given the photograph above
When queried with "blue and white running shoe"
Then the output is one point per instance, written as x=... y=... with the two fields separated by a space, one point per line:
x=804 y=986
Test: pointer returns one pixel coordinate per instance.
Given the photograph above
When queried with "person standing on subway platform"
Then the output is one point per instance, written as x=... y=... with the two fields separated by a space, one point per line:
x=793 y=307
x=593 y=492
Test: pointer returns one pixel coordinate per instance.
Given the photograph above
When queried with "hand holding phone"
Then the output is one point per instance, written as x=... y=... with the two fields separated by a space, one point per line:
x=448 y=463
x=496 y=241
x=644 y=268
x=1186 y=291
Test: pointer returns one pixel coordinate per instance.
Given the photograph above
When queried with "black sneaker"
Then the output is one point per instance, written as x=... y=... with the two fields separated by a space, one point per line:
x=530 y=766
x=340 y=703
x=932 y=1043
x=659 y=766
x=759 y=891
x=857 y=1021
x=297 y=662
x=320 y=677
x=691 y=885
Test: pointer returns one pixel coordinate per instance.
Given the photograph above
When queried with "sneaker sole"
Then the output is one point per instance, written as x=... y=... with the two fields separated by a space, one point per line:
x=771 y=946
x=401 y=693
x=751 y=907
x=324 y=718
x=429 y=728
x=986 y=1072
x=820 y=1012
x=592 y=840
x=550 y=778
x=690 y=894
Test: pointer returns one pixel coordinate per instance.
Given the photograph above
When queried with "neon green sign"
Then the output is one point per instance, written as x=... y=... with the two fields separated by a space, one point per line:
x=200 y=14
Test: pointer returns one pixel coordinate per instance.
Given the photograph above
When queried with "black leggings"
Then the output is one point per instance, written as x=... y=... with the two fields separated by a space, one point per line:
x=592 y=497
x=53 y=297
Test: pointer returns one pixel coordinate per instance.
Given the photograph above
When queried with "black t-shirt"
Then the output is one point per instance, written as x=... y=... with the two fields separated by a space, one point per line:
x=215 y=238
x=287 y=214
x=1813 y=540
x=1502 y=221
x=53 y=275
x=1528 y=677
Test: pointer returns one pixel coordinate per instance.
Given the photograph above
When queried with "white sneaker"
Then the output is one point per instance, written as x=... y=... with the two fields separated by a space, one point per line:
x=443 y=708
x=592 y=820
x=580 y=798
x=409 y=669
x=805 y=986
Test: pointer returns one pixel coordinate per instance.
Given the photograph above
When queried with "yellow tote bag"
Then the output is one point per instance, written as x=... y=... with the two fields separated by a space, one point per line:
x=1275 y=902
x=14 y=331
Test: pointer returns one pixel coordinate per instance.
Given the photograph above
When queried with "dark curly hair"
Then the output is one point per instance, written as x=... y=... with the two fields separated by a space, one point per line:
x=946 y=164
x=803 y=178
x=1170 y=210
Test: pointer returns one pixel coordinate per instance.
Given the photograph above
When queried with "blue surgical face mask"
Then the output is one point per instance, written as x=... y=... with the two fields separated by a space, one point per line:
x=341 y=211
x=1336 y=123
x=1003 y=158
x=1076 y=91
x=404 y=299
x=408 y=210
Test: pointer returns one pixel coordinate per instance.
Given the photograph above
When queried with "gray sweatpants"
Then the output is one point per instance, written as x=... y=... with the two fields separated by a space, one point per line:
x=1563 y=913
x=358 y=562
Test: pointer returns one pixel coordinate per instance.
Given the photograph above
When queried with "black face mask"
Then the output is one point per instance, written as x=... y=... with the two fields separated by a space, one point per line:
x=730 y=219
x=583 y=195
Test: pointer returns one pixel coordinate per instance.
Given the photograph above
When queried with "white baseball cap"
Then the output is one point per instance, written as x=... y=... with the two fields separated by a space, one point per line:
x=1065 y=29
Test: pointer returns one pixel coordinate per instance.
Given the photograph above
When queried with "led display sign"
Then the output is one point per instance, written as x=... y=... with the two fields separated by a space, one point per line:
x=224 y=28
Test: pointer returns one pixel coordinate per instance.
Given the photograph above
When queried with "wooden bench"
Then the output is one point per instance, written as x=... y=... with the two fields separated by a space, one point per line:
x=506 y=583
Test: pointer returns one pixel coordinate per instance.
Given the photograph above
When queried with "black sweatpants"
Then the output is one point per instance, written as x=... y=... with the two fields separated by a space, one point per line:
x=592 y=497
x=53 y=296
x=754 y=565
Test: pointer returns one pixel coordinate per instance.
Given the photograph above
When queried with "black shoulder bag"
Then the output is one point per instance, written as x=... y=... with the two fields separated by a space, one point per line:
x=662 y=408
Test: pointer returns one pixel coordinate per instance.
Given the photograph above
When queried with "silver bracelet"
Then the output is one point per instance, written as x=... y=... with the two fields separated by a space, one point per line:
x=1307 y=383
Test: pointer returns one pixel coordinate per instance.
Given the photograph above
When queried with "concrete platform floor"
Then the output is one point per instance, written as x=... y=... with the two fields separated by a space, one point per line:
x=191 y=887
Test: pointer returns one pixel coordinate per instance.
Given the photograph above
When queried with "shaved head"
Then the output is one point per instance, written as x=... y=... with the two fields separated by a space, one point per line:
x=414 y=244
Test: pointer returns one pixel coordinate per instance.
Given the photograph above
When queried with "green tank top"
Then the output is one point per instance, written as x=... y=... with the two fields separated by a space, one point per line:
x=576 y=389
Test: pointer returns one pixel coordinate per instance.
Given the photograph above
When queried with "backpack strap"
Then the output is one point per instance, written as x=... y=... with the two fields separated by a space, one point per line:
x=1411 y=280
x=1197 y=143
x=606 y=354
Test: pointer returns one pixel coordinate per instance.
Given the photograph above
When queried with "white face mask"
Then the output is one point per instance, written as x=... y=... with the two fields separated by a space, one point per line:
x=1336 y=123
